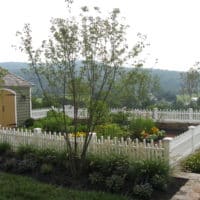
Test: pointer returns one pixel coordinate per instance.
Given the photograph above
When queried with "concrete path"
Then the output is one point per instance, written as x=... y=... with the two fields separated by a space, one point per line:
x=191 y=189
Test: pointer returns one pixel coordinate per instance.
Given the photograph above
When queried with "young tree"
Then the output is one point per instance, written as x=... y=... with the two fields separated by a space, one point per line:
x=135 y=89
x=190 y=82
x=3 y=72
x=101 y=46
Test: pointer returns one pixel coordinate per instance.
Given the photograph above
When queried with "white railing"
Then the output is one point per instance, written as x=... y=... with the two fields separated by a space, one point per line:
x=184 y=144
x=41 y=113
x=184 y=116
x=134 y=150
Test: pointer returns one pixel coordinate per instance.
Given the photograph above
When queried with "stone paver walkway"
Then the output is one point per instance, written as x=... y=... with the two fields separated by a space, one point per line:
x=191 y=189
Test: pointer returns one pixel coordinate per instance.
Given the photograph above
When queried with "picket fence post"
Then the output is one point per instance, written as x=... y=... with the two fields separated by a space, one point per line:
x=166 y=145
x=155 y=114
x=191 y=129
x=190 y=114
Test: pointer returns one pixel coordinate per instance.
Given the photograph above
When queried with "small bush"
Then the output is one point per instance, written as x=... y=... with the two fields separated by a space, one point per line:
x=24 y=150
x=96 y=179
x=192 y=163
x=159 y=182
x=120 y=118
x=112 y=164
x=48 y=155
x=29 y=122
x=80 y=128
x=146 y=171
x=138 y=125
x=108 y=173
x=54 y=122
x=26 y=166
x=46 y=169
x=115 y=183
x=145 y=129
x=10 y=164
x=143 y=191
x=112 y=130
x=4 y=147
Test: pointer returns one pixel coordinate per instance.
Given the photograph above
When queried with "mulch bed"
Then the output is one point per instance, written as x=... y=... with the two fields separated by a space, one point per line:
x=173 y=188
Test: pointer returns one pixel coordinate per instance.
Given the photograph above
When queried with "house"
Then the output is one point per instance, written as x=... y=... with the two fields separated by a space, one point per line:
x=15 y=101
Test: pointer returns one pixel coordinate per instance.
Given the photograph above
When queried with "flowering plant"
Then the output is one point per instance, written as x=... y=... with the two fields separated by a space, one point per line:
x=78 y=134
x=154 y=134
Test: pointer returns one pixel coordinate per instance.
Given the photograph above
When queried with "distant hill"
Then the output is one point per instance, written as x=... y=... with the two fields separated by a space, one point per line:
x=14 y=67
x=169 y=80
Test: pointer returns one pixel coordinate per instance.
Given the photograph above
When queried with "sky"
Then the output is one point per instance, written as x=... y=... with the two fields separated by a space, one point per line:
x=172 y=27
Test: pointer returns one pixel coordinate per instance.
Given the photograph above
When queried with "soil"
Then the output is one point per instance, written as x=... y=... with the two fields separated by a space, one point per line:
x=172 y=133
x=173 y=188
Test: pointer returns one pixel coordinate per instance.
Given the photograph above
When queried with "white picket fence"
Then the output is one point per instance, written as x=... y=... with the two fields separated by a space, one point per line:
x=41 y=113
x=134 y=150
x=170 y=149
x=184 y=116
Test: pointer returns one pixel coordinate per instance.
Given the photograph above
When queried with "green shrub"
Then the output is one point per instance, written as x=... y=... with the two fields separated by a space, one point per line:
x=10 y=164
x=159 y=182
x=46 y=155
x=100 y=112
x=29 y=122
x=108 y=173
x=116 y=164
x=192 y=163
x=96 y=179
x=147 y=171
x=138 y=125
x=38 y=123
x=115 y=183
x=26 y=166
x=46 y=169
x=145 y=129
x=80 y=128
x=143 y=191
x=112 y=130
x=156 y=166
x=120 y=118
x=4 y=147
x=24 y=150
x=54 y=122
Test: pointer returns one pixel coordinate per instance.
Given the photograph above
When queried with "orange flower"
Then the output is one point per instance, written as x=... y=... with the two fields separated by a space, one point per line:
x=144 y=134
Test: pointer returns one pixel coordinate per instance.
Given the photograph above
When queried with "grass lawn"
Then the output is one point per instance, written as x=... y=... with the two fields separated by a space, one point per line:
x=15 y=187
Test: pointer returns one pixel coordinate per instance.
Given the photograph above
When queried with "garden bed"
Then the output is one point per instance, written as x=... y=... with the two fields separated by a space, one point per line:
x=173 y=188
x=174 y=129
x=112 y=173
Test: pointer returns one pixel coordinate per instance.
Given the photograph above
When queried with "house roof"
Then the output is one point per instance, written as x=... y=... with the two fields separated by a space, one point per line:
x=13 y=80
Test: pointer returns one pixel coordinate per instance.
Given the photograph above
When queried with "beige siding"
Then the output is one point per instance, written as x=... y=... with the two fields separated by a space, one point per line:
x=23 y=104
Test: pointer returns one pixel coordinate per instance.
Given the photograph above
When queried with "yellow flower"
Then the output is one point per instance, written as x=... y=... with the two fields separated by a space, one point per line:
x=154 y=130
x=78 y=134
